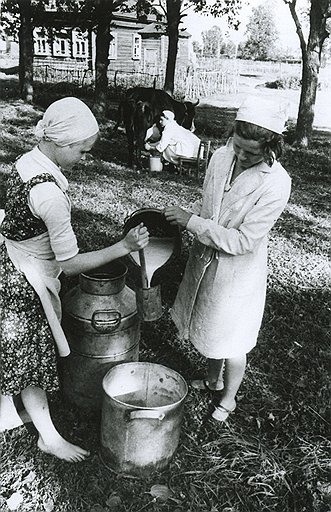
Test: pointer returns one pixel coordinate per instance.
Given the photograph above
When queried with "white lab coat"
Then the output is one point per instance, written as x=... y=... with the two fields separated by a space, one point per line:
x=220 y=301
x=177 y=141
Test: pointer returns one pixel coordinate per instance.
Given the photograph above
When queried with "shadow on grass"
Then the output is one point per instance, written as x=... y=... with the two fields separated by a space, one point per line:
x=299 y=230
x=214 y=122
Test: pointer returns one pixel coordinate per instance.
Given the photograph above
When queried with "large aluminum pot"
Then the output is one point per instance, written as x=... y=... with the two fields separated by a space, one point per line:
x=102 y=326
x=142 y=413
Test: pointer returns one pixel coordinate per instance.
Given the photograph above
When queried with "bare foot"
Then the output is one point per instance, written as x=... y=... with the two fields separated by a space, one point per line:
x=64 y=450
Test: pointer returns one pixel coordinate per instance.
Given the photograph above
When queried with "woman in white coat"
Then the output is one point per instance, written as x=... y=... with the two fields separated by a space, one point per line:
x=220 y=302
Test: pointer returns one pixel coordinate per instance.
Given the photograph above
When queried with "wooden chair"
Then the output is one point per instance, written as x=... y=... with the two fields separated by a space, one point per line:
x=198 y=163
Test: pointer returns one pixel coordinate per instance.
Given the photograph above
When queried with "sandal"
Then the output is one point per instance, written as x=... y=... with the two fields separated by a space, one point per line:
x=203 y=385
x=221 y=413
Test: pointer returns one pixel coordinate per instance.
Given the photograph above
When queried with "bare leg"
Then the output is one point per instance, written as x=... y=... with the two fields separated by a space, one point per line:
x=215 y=373
x=233 y=375
x=50 y=441
x=214 y=380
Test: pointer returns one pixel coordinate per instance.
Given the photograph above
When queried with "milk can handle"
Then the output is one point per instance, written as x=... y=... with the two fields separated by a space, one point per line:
x=146 y=414
x=106 y=320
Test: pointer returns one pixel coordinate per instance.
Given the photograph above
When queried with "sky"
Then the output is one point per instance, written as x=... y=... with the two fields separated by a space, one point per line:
x=197 y=23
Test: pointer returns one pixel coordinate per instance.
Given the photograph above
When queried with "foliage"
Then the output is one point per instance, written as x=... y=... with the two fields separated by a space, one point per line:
x=261 y=34
x=212 y=40
x=228 y=8
x=272 y=455
x=287 y=82
x=213 y=44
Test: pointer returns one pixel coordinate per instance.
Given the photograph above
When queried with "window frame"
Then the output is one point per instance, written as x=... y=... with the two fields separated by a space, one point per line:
x=136 y=48
x=58 y=39
x=79 y=38
x=113 y=45
x=40 y=36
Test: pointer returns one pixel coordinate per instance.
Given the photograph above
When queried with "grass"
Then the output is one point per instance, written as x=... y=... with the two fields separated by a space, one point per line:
x=272 y=455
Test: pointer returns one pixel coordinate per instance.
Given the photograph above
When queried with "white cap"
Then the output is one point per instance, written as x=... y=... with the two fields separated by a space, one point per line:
x=168 y=114
x=263 y=112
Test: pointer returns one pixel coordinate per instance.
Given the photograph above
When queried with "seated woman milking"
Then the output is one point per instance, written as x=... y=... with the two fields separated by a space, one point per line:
x=175 y=141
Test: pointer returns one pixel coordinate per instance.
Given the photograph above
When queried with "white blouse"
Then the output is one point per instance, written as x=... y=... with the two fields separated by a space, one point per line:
x=50 y=203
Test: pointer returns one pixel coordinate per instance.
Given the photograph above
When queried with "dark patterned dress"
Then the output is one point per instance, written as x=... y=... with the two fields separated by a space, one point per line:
x=27 y=348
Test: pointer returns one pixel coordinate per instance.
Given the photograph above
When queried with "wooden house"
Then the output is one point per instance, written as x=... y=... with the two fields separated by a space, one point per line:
x=136 y=46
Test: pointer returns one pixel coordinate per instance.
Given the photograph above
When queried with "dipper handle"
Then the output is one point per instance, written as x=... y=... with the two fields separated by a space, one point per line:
x=144 y=279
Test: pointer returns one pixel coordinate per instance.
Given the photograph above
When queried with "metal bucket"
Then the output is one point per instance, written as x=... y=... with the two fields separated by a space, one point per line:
x=102 y=326
x=142 y=412
x=155 y=164
x=149 y=301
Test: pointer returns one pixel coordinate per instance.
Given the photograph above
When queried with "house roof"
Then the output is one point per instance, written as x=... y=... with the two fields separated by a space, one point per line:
x=159 y=29
x=152 y=29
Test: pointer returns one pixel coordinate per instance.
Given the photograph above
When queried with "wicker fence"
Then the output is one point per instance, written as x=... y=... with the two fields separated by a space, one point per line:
x=76 y=75
x=188 y=82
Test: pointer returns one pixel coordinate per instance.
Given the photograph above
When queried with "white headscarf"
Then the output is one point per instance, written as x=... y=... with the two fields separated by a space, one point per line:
x=67 y=121
x=168 y=114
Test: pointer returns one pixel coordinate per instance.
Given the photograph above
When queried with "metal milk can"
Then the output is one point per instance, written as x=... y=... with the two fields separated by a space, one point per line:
x=102 y=326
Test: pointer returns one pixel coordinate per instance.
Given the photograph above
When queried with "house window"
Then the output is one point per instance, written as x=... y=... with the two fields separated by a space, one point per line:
x=136 y=46
x=113 y=47
x=41 y=46
x=50 y=5
x=61 y=46
x=79 y=44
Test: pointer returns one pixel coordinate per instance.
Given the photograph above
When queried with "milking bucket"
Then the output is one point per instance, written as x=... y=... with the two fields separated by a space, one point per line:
x=103 y=329
x=164 y=245
x=142 y=411
x=155 y=164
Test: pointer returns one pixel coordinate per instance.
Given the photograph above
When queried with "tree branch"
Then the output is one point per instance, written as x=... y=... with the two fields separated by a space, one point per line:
x=292 y=6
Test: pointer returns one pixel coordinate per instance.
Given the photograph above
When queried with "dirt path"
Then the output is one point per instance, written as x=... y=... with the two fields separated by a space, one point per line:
x=254 y=85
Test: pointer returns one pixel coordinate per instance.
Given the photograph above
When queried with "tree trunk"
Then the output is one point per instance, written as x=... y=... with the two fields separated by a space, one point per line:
x=173 y=18
x=26 y=51
x=311 y=62
x=310 y=70
x=104 y=12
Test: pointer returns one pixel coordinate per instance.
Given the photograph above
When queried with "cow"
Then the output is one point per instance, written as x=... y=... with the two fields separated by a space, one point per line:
x=141 y=108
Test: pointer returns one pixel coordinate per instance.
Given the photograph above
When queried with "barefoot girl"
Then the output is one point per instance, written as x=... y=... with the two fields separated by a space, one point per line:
x=39 y=243
x=220 y=302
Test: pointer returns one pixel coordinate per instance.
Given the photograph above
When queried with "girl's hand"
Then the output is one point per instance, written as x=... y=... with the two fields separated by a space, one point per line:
x=137 y=238
x=177 y=216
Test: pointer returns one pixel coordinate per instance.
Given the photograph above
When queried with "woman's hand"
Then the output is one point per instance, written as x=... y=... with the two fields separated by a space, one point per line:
x=137 y=238
x=177 y=216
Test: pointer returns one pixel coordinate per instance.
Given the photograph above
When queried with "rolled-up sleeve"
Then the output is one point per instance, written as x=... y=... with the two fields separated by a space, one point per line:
x=255 y=225
x=48 y=202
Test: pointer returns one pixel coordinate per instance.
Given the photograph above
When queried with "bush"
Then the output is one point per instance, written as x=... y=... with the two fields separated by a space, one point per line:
x=288 y=82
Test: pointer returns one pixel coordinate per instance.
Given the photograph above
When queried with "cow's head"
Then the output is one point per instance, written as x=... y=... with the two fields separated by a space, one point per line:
x=188 y=122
